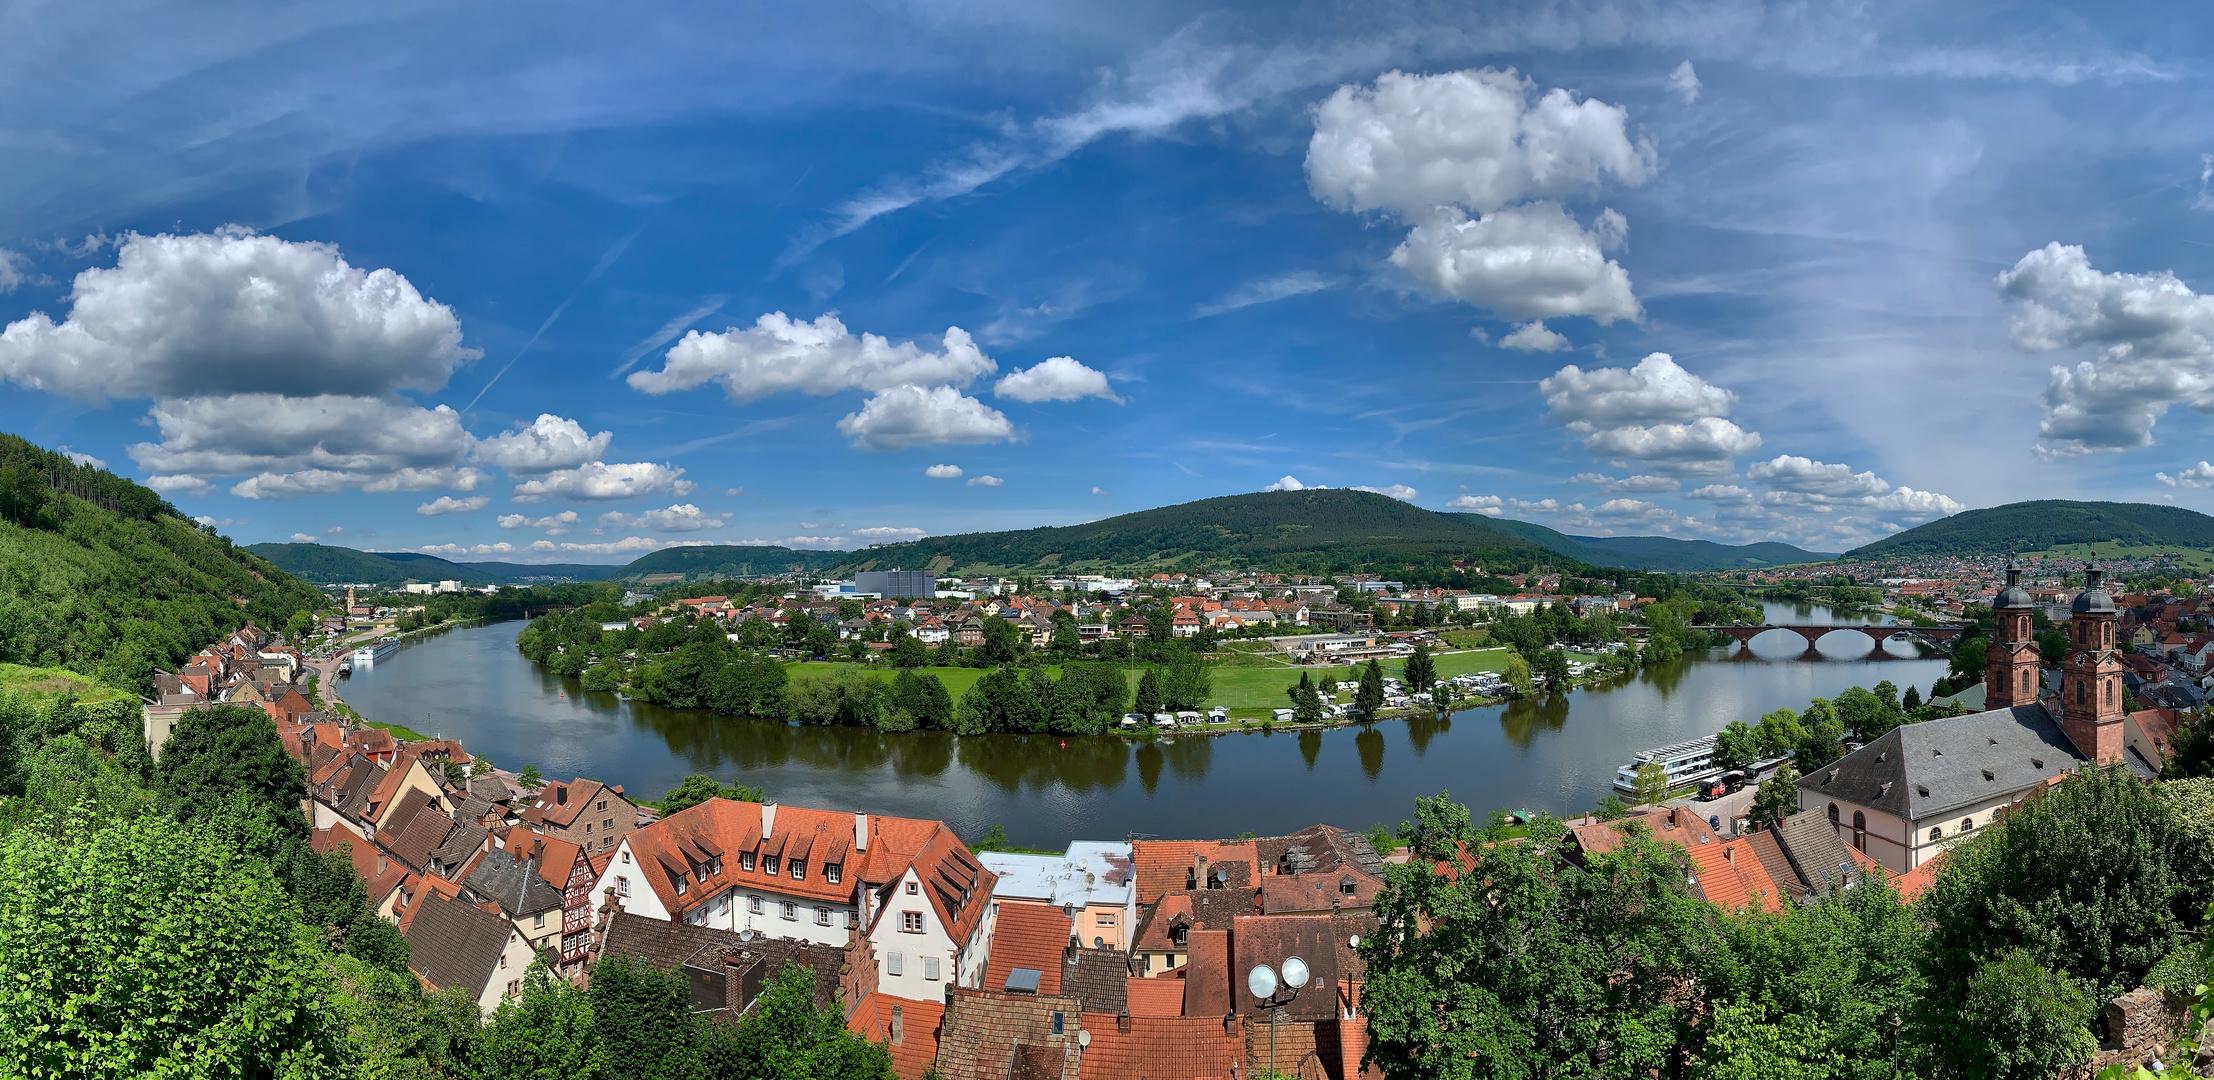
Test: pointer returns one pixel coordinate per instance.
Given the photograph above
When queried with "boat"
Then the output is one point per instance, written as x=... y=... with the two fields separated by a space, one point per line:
x=1688 y=763
x=374 y=651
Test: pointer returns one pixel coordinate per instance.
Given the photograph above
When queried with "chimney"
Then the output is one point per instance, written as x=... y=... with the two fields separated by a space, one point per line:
x=860 y=830
x=768 y=820
x=561 y=794
x=800 y=958
x=1122 y=1021
x=1729 y=855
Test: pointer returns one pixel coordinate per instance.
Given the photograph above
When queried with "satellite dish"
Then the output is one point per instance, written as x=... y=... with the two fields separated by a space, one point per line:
x=1295 y=972
x=1355 y=941
x=1261 y=981
x=1083 y=1039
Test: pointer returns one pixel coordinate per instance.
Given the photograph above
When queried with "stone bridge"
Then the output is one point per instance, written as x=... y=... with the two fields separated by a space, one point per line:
x=1940 y=636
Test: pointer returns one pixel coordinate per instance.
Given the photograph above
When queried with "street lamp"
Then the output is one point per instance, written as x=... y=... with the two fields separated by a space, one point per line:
x=1272 y=992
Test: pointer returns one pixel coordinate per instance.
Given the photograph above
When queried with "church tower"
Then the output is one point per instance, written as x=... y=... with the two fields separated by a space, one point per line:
x=2091 y=705
x=2010 y=674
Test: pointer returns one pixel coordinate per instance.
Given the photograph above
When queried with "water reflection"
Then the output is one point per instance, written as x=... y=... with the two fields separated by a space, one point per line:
x=1524 y=720
x=1370 y=744
x=1310 y=747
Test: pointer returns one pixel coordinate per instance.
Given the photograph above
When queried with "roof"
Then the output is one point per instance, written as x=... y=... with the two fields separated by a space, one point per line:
x=562 y=804
x=1319 y=849
x=1678 y=825
x=1099 y=979
x=1343 y=888
x=1199 y=1047
x=1090 y=872
x=1918 y=771
x=1917 y=881
x=1731 y=876
x=1008 y=1035
x=1159 y=996
x=1028 y=936
x=490 y=788
x=364 y=856
x=1268 y=939
x=673 y=945
x=1165 y=866
x=916 y=1048
x=1201 y=909
x=1819 y=858
x=515 y=884
x=419 y=833
x=451 y=942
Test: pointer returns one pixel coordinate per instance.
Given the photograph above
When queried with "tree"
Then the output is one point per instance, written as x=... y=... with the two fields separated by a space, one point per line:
x=394 y=1029
x=697 y=789
x=2021 y=1021
x=642 y=1016
x=1649 y=785
x=529 y=777
x=1517 y=674
x=1421 y=672
x=1779 y=733
x=908 y=651
x=546 y=1032
x=1306 y=701
x=2191 y=752
x=1912 y=700
x=1503 y=966
x=1737 y=747
x=785 y=1037
x=220 y=749
x=142 y=947
x=1149 y=693
x=1776 y=799
x=1552 y=664
x=1368 y=698
x=1821 y=742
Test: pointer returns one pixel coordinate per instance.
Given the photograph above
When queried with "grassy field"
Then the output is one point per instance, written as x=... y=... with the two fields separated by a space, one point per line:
x=1245 y=688
x=400 y=731
x=53 y=682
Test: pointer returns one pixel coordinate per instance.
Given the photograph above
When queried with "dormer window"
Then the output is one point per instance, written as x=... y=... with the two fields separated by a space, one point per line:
x=769 y=865
x=1177 y=934
x=745 y=861
x=680 y=884
x=831 y=872
x=799 y=869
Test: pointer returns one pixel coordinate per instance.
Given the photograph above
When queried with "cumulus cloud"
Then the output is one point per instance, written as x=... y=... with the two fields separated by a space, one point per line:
x=1487 y=505
x=943 y=472
x=1397 y=491
x=986 y=480
x=596 y=480
x=681 y=517
x=1059 y=378
x=1657 y=390
x=179 y=484
x=232 y=312
x=779 y=353
x=501 y=548
x=553 y=524
x=899 y=417
x=1789 y=472
x=447 y=504
x=1523 y=262
x=889 y=534
x=1702 y=447
x=548 y=443
x=303 y=538
x=1098 y=491
x=373 y=443
x=1287 y=483
x=1472 y=138
x=1532 y=336
x=2197 y=476
x=2153 y=336
x=12 y=276
x=1685 y=82
x=629 y=545
x=1267 y=291
x=813 y=541
x=1722 y=493
x=83 y=459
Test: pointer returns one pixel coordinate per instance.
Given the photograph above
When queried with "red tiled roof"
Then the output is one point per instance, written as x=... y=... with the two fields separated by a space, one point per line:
x=920 y=1025
x=1159 y=996
x=1163 y=866
x=1198 y=1047
x=1917 y=881
x=1732 y=877
x=1028 y=936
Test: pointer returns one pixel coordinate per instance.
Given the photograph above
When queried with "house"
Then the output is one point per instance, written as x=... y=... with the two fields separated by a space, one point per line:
x=587 y=813
x=1093 y=879
x=452 y=942
x=909 y=887
x=568 y=868
x=515 y=885
x=726 y=971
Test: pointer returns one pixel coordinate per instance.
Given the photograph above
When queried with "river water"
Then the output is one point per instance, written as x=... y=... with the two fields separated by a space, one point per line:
x=1556 y=753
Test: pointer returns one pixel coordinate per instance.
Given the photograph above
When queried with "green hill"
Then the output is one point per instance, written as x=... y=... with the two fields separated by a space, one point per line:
x=328 y=563
x=1325 y=530
x=2045 y=524
x=727 y=561
x=1661 y=553
x=105 y=578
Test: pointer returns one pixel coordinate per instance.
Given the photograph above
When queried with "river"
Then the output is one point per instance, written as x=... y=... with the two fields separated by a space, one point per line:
x=1556 y=753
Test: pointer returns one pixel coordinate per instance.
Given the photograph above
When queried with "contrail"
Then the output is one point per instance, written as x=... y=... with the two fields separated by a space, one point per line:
x=607 y=259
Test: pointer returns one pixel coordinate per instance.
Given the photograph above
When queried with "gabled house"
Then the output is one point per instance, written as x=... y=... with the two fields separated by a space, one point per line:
x=587 y=813
x=515 y=885
x=452 y=942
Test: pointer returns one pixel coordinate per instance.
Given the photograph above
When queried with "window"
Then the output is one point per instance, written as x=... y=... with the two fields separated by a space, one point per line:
x=1833 y=813
x=1967 y=823
x=1936 y=833
x=913 y=888
x=1860 y=831
x=715 y=865
x=503 y=960
x=680 y=884
x=753 y=904
x=1060 y=1020
x=607 y=823
x=626 y=858
x=911 y=922
x=1104 y=918
x=852 y=919
x=608 y=843
x=822 y=916
x=2025 y=680
x=699 y=873
x=894 y=963
x=745 y=861
x=622 y=886
x=791 y=910
x=831 y=872
x=514 y=987
x=603 y=805
x=587 y=828
x=930 y=968
x=768 y=865
x=538 y=921
x=799 y=869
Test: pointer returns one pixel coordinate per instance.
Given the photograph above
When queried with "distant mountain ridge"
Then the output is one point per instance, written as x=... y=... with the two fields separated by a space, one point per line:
x=331 y=563
x=1662 y=553
x=2047 y=523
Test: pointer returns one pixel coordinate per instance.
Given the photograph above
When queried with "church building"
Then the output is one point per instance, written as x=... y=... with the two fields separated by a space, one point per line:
x=1899 y=798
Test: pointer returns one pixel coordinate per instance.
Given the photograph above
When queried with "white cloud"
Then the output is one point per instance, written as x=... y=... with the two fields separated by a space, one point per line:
x=1532 y=336
x=1471 y=138
x=986 y=480
x=943 y=472
x=2197 y=476
x=681 y=517
x=447 y=504
x=501 y=548
x=812 y=542
x=1685 y=82
x=1645 y=485
x=1522 y=262
x=1397 y=491
x=1288 y=483
x=888 y=533
x=1656 y=390
x=1267 y=291
x=779 y=353
x=899 y=417
x=1722 y=493
x=240 y=433
x=1099 y=491
x=1487 y=505
x=1702 y=447
x=283 y=487
x=210 y=519
x=83 y=459
x=303 y=538
x=548 y=443
x=12 y=276
x=1913 y=503
x=1059 y=378
x=1789 y=472
x=2153 y=335
x=598 y=480
x=463 y=479
x=554 y=524
x=179 y=484
x=629 y=545
x=231 y=312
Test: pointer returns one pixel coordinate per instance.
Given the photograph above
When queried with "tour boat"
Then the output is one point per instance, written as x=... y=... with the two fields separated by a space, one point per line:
x=1688 y=764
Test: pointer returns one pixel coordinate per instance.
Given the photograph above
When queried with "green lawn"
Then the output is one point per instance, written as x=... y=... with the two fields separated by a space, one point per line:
x=401 y=732
x=1249 y=691
x=41 y=682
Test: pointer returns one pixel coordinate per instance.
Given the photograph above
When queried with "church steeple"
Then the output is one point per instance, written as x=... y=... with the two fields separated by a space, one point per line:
x=2011 y=661
x=2091 y=692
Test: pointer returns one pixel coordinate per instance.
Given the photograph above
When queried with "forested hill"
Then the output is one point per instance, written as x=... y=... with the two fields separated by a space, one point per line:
x=1659 y=553
x=726 y=561
x=325 y=563
x=2045 y=524
x=105 y=577
x=1331 y=530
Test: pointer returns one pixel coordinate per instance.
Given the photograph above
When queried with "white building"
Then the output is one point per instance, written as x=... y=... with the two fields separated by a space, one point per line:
x=1092 y=882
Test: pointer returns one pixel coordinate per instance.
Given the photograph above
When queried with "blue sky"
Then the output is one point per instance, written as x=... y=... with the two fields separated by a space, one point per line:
x=569 y=283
